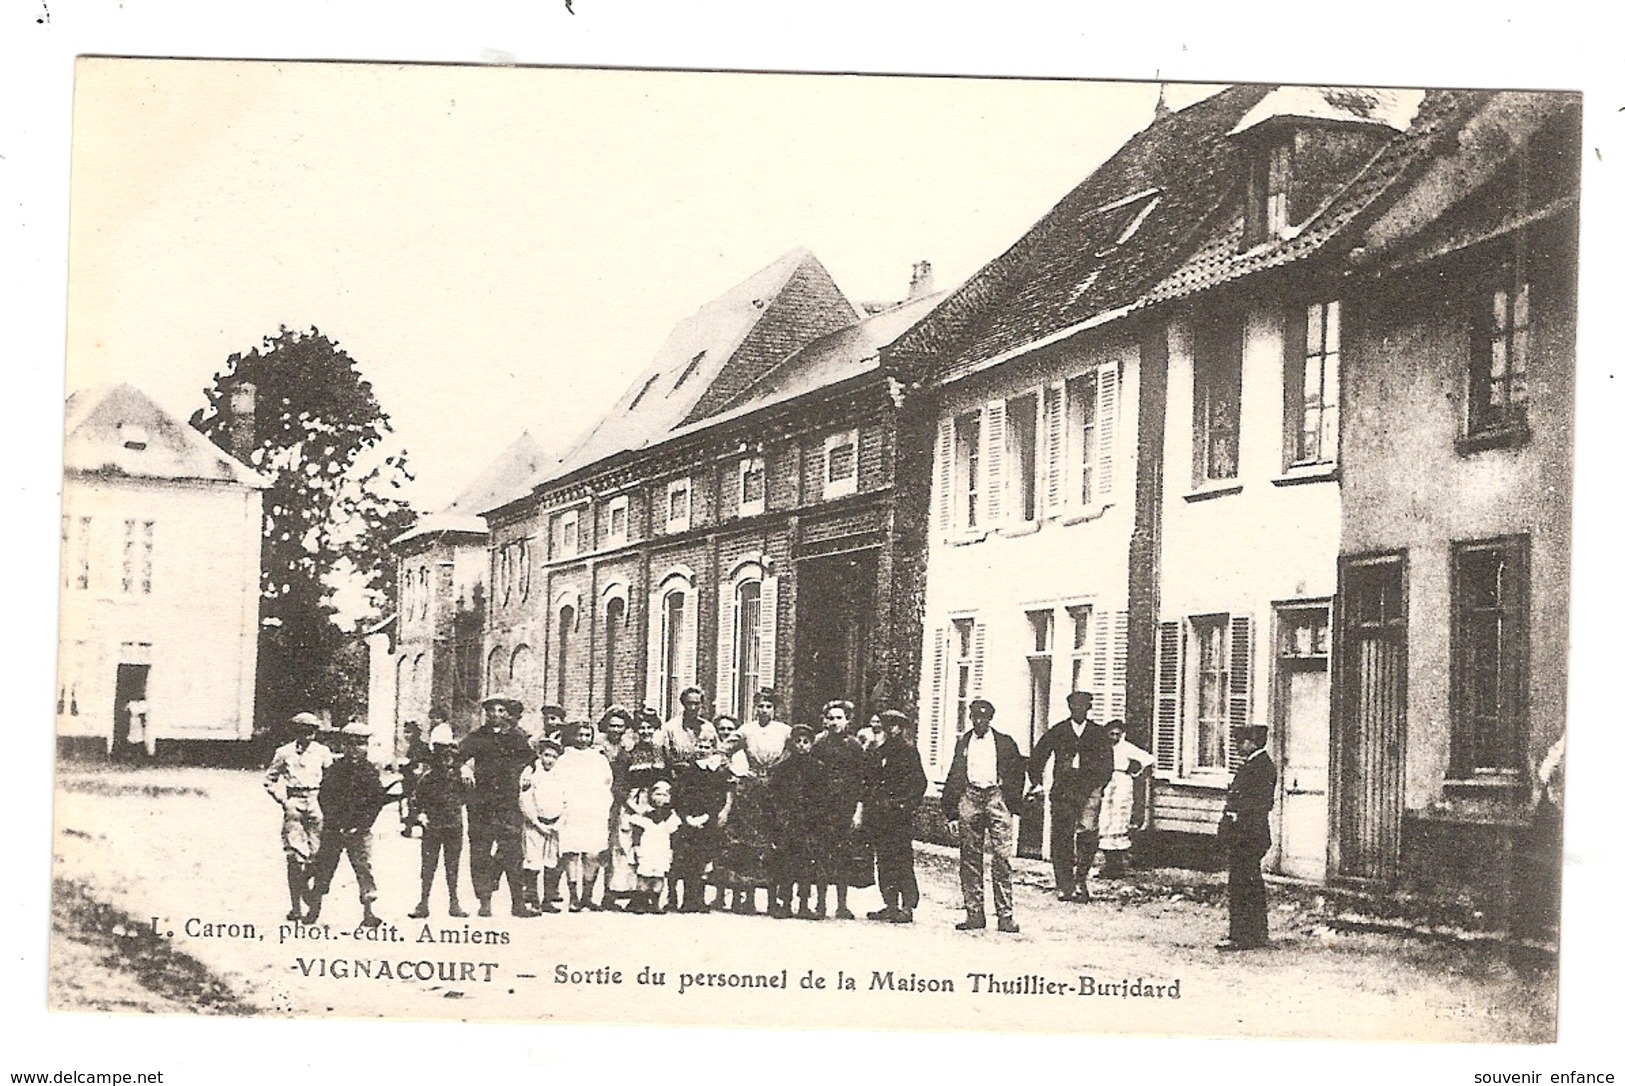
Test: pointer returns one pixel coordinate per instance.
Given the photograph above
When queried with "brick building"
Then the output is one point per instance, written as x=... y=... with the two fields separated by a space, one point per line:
x=727 y=524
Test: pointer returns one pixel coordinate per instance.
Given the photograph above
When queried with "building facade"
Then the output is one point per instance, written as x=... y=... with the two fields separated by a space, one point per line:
x=727 y=525
x=1227 y=318
x=154 y=518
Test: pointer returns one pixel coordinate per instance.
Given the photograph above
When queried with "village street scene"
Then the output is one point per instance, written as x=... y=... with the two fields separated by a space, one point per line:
x=1158 y=627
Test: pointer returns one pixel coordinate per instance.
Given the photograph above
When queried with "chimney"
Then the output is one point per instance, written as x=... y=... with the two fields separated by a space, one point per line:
x=920 y=282
x=1161 y=109
x=240 y=432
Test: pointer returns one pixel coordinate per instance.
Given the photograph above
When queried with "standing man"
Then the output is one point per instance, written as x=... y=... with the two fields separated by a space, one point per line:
x=352 y=794
x=1083 y=757
x=987 y=768
x=1244 y=830
x=491 y=760
x=436 y=801
x=895 y=787
x=294 y=779
x=680 y=735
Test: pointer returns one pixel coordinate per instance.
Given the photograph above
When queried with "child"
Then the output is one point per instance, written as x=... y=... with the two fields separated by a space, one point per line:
x=793 y=786
x=541 y=801
x=588 y=786
x=436 y=802
x=700 y=794
x=652 y=851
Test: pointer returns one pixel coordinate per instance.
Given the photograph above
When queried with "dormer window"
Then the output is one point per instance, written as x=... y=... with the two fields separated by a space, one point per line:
x=132 y=437
x=1269 y=190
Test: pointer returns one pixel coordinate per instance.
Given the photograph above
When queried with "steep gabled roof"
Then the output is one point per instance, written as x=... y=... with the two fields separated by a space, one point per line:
x=120 y=430
x=507 y=477
x=1163 y=219
x=714 y=354
x=824 y=363
x=1096 y=251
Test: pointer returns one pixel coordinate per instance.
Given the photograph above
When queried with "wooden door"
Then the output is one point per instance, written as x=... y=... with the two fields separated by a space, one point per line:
x=1370 y=737
x=1303 y=726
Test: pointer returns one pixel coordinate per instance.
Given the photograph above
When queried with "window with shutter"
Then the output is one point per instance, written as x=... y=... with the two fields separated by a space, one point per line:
x=1170 y=672
x=1117 y=703
x=1106 y=435
x=1209 y=735
x=1101 y=635
x=1241 y=681
x=938 y=698
x=727 y=647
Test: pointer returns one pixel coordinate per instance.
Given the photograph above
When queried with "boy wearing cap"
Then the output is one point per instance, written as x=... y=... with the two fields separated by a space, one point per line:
x=294 y=779
x=1244 y=831
x=437 y=796
x=896 y=785
x=491 y=760
x=351 y=795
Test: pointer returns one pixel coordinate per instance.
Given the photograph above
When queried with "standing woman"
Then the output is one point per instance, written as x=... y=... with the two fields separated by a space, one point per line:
x=838 y=858
x=588 y=784
x=762 y=745
x=1117 y=808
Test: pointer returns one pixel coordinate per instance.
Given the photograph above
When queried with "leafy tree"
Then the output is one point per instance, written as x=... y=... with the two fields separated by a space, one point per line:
x=319 y=435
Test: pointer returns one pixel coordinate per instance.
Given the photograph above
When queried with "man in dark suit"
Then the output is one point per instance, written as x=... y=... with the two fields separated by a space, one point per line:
x=987 y=773
x=1244 y=830
x=896 y=785
x=1082 y=750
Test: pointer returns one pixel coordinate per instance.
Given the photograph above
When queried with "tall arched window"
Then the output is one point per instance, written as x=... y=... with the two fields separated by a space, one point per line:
x=567 y=623
x=673 y=619
x=614 y=622
x=747 y=633
x=494 y=670
x=522 y=673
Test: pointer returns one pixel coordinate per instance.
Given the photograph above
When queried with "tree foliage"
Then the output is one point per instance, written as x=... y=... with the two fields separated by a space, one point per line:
x=320 y=437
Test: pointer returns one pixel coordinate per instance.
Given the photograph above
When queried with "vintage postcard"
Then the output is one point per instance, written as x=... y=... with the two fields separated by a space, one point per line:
x=616 y=546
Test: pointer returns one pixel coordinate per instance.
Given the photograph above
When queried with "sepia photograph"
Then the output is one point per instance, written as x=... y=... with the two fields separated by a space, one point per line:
x=715 y=548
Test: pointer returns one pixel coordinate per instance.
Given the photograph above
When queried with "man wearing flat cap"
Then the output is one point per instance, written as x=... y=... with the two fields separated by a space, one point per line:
x=985 y=777
x=294 y=779
x=491 y=759
x=1082 y=749
x=352 y=794
x=1244 y=832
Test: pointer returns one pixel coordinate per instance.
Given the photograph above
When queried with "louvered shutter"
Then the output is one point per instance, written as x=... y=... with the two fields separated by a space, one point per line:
x=1054 y=445
x=727 y=646
x=1106 y=430
x=1119 y=686
x=945 y=476
x=653 y=648
x=691 y=642
x=978 y=669
x=1100 y=638
x=939 y=686
x=1241 y=681
x=1170 y=673
x=769 y=633
x=993 y=463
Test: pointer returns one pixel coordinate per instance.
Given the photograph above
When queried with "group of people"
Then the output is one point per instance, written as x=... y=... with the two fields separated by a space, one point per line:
x=693 y=814
x=1091 y=772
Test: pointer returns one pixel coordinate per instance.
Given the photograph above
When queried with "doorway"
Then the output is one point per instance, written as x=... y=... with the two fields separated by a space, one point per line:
x=835 y=611
x=1303 y=725
x=130 y=723
x=1370 y=733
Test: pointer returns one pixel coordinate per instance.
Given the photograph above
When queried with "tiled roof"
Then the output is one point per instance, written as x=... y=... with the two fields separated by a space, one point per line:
x=723 y=341
x=1162 y=219
x=119 y=430
x=507 y=477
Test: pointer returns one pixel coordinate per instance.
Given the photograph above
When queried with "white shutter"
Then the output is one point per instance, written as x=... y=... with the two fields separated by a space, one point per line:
x=978 y=667
x=939 y=686
x=1118 y=701
x=993 y=463
x=1241 y=680
x=1106 y=430
x=1170 y=673
x=655 y=647
x=727 y=644
x=1053 y=457
x=1100 y=637
x=945 y=476
x=770 y=633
